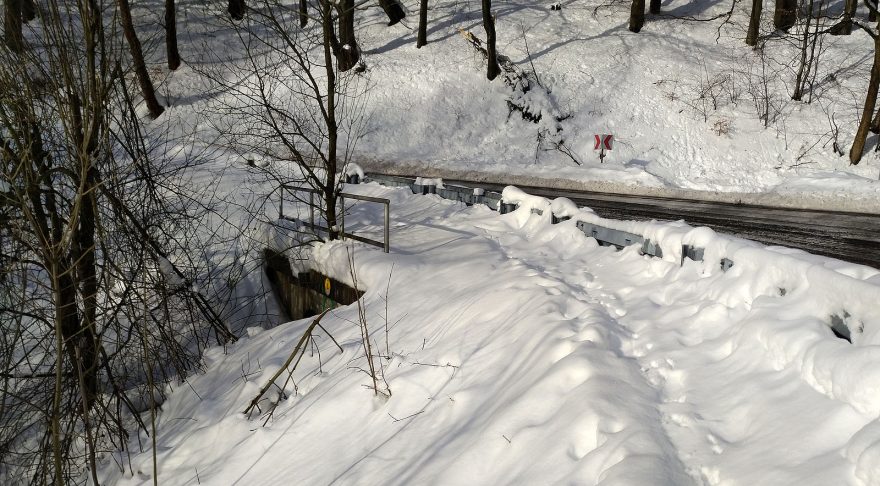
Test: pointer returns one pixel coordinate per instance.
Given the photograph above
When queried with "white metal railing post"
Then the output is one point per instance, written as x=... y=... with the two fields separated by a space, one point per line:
x=281 y=208
x=385 y=245
x=311 y=210
x=387 y=225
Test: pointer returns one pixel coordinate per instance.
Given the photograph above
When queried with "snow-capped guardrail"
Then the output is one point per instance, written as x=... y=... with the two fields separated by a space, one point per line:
x=560 y=209
x=844 y=293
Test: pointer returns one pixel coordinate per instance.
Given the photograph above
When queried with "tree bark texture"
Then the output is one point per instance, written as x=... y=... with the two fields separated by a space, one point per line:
x=76 y=331
x=88 y=122
x=845 y=26
x=85 y=337
x=393 y=9
x=348 y=53
x=804 y=66
x=493 y=69
x=858 y=146
x=423 y=24
x=875 y=123
x=329 y=184
x=303 y=13
x=849 y=12
x=12 y=25
x=785 y=14
x=236 y=9
x=637 y=15
x=654 y=6
x=28 y=10
x=171 y=35
x=754 y=23
x=140 y=66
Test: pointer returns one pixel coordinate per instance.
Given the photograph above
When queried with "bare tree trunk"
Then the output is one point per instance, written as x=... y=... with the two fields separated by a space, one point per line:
x=12 y=25
x=637 y=15
x=28 y=10
x=754 y=23
x=393 y=10
x=804 y=67
x=348 y=53
x=86 y=265
x=79 y=328
x=140 y=66
x=493 y=69
x=872 y=10
x=849 y=12
x=329 y=183
x=423 y=24
x=785 y=14
x=875 y=123
x=87 y=124
x=171 y=35
x=654 y=6
x=303 y=13
x=858 y=146
x=236 y=9
x=76 y=329
x=844 y=27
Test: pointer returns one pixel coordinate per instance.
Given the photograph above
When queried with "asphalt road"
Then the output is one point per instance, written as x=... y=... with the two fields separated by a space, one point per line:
x=853 y=237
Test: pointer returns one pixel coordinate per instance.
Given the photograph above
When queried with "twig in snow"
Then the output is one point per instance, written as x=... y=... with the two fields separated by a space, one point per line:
x=447 y=365
x=404 y=418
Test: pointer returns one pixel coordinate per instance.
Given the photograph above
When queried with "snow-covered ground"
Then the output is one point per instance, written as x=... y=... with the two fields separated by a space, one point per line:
x=683 y=98
x=679 y=97
x=524 y=353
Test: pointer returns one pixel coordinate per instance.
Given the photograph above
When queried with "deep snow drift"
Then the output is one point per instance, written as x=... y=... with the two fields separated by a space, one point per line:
x=523 y=353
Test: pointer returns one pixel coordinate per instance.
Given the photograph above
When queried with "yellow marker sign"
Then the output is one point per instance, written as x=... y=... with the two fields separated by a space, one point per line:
x=327 y=286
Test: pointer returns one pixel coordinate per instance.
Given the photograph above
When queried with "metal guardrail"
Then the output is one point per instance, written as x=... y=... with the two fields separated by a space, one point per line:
x=385 y=245
x=605 y=236
x=462 y=194
x=619 y=239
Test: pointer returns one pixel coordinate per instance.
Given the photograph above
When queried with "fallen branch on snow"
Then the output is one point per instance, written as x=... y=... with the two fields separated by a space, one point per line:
x=300 y=345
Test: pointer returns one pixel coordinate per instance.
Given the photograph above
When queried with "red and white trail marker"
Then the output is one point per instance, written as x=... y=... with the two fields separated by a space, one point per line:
x=603 y=142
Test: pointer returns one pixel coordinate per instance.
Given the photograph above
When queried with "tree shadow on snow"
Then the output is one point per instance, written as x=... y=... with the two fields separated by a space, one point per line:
x=637 y=164
x=468 y=19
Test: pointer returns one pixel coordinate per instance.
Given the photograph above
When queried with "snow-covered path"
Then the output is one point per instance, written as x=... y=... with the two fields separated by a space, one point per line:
x=534 y=363
x=524 y=353
x=732 y=409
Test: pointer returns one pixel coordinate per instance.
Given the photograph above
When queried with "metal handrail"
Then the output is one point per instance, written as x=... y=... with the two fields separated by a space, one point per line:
x=385 y=245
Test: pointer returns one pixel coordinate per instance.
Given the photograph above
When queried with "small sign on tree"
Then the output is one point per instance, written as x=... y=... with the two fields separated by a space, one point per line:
x=603 y=142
